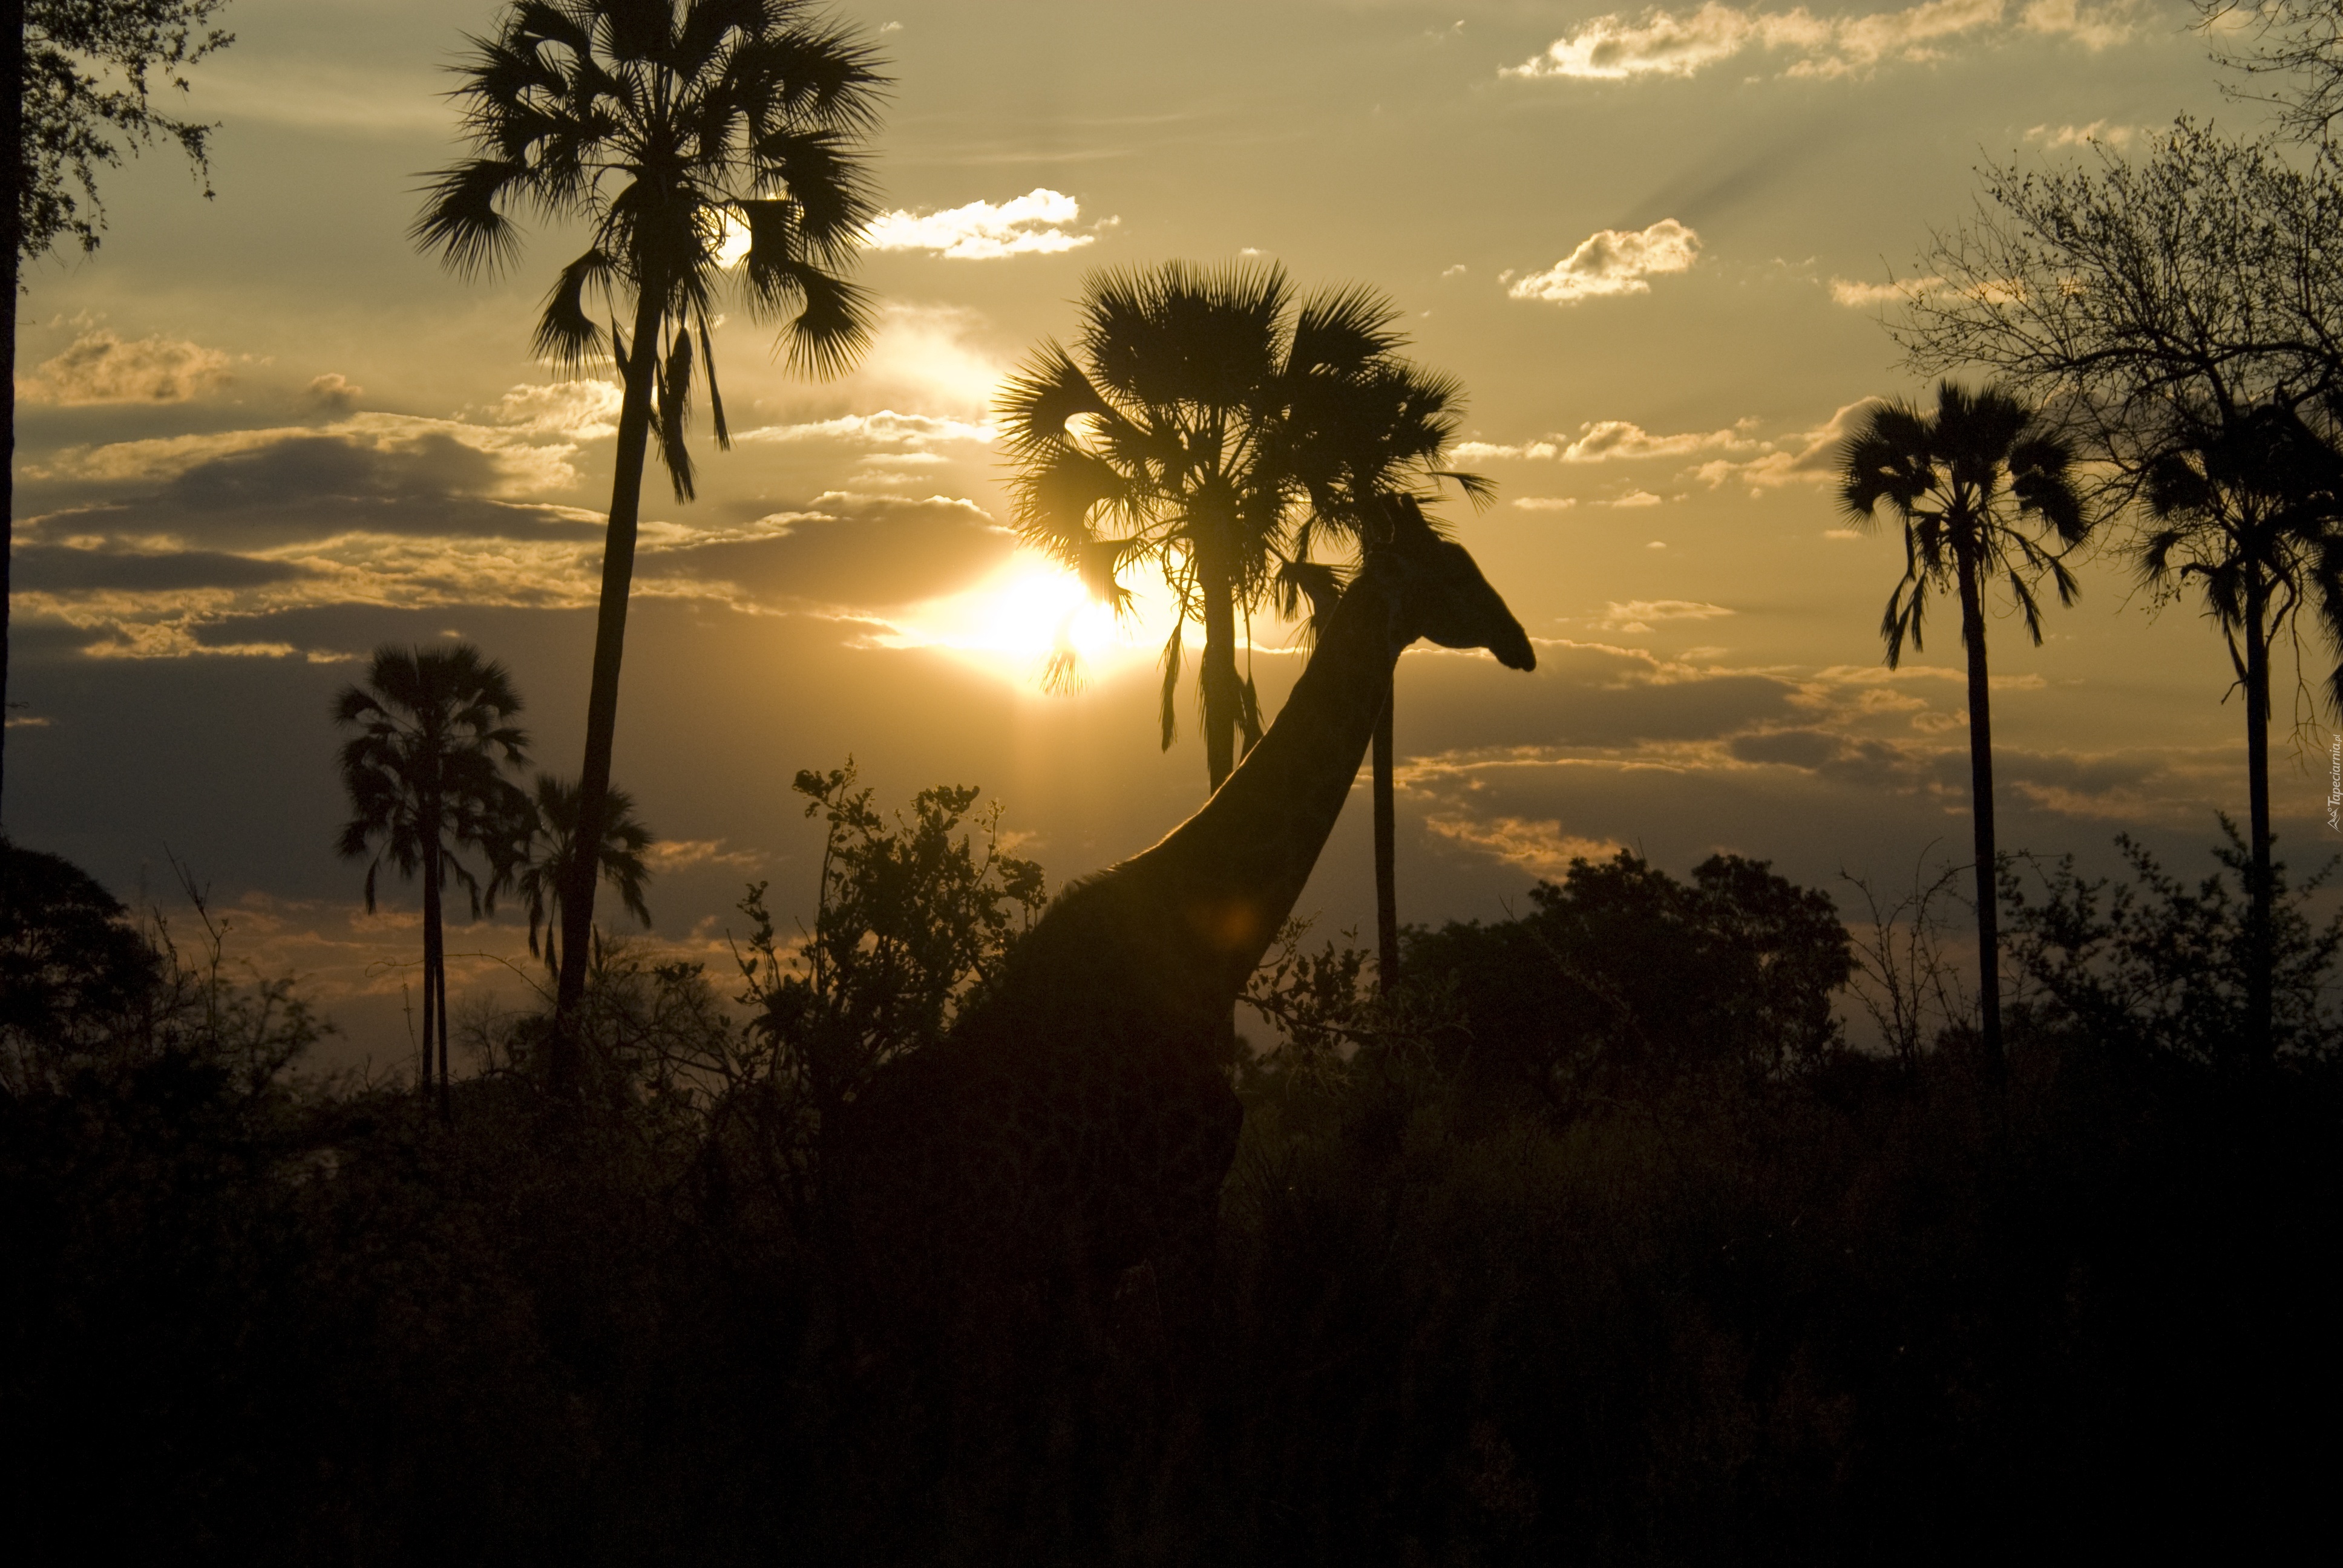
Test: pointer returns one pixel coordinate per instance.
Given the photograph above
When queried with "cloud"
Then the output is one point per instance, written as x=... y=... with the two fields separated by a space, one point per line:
x=1037 y=223
x=867 y=551
x=2099 y=133
x=1671 y=44
x=1541 y=847
x=1865 y=296
x=576 y=410
x=68 y=568
x=1636 y=615
x=379 y=476
x=670 y=855
x=1604 y=440
x=331 y=396
x=100 y=367
x=1811 y=457
x=1636 y=498
x=884 y=428
x=928 y=359
x=1610 y=262
x=1546 y=503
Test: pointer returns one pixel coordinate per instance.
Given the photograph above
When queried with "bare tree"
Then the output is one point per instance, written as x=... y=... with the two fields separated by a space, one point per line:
x=2294 y=61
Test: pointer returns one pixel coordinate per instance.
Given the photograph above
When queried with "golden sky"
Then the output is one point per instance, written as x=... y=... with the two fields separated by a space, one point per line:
x=260 y=434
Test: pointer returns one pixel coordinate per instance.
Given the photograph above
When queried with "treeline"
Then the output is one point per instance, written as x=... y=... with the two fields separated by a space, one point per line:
x=1594 y=1241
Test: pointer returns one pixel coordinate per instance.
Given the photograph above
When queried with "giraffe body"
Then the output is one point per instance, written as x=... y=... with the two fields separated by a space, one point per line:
x=1079 y=1120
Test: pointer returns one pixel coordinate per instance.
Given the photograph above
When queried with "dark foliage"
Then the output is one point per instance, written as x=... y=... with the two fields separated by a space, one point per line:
x=2162 y=969
x=1623 y=978
x=1757 y=1301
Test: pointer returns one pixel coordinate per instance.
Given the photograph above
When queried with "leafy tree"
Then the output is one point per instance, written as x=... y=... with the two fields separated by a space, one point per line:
x=1963 y=481
x=543 y=847
x=425 y=781
x=72 y=966
x=1189 y=426
x=915 y=913
x=76 y=77
x=2157 y=967
x=1621 y=977
x=666 y=126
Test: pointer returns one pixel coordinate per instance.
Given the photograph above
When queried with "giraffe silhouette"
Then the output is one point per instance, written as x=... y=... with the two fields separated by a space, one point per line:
x=1079 y=1120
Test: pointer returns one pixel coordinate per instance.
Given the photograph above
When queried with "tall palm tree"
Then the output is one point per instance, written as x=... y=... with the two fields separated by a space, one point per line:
x=1174 y=433
x=1363 y=442
x=1983 y=491
x=2247 y=508
x=425 y=778
x=666 y=126
x=539 y=860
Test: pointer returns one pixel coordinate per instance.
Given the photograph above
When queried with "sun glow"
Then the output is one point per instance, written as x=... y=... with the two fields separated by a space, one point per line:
x=1033 y=623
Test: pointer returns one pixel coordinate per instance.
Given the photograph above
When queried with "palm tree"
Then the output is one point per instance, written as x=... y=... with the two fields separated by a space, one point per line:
x=1964 y=481
x=539 y=857
x=1362 y=442
x=666 y=126
x=1178 y=431
x=423 y=775
x=2246 y=508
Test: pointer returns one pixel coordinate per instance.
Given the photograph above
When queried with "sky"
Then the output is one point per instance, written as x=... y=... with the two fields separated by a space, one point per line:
x=260 y=434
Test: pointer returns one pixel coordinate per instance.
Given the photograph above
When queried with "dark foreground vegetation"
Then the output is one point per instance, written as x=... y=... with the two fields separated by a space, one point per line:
x=1595 y=1244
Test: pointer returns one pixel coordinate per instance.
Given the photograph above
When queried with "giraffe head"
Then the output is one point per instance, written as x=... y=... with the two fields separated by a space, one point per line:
x=1438 y=592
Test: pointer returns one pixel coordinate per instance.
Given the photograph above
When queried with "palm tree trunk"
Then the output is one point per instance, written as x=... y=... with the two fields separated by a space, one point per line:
x=435 y=977
x=1386 y=855
x=2258 y=958
x=1981 y=819
x=12 y=93
x=602 y=699
x=423 y=1073
x=1223 y=693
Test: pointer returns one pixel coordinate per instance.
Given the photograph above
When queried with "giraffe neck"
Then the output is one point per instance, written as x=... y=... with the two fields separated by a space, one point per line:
x=1231 y=873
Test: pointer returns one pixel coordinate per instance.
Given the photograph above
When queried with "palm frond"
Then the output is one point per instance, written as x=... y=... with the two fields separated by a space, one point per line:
x=672 y=384
x=567 y=338
x=1168 y=704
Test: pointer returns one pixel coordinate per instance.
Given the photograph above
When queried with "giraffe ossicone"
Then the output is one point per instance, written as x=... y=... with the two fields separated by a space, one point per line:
x=1079 y=1120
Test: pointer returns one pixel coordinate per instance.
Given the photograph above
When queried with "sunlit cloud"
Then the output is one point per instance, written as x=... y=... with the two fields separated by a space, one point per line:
x=886 y=428
x=844 y=550
x=2099 y=133
x=1612 y=262
x=1546 y=503
x=332 y=396
x=578 y=410
x=1682 y=44
x=1039 y=223
x=924 y=359
x=1811 y=457
x=1635 y=499
x=1539 y=847
x=508 y=464
x=1636 y=615
x=1611 y=441
x=670 y=855
x=1857 y=296
x=99 y=366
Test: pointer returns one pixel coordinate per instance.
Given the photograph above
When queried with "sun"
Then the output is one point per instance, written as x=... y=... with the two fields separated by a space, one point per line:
x=1032 y=623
